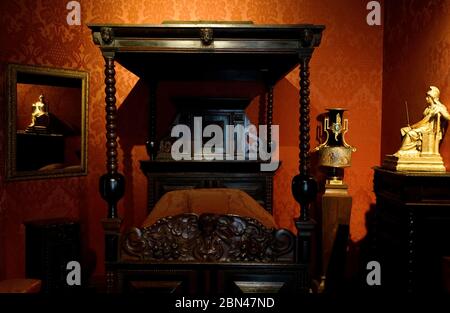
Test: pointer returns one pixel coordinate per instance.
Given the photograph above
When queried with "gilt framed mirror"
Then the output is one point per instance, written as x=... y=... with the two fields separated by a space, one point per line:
x=47 y=122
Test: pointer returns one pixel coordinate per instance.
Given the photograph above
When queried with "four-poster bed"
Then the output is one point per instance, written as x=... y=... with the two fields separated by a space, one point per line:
x=203 y=251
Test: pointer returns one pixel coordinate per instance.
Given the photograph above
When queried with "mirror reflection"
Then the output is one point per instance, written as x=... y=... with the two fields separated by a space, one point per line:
x=46 y=122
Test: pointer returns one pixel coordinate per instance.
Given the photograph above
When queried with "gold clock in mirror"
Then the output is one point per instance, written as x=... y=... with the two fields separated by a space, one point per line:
x=47 y=122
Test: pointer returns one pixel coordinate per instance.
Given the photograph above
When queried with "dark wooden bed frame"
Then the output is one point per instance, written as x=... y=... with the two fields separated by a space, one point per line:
x=209 y=253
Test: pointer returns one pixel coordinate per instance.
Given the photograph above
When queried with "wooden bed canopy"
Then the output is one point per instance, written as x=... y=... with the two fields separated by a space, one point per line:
x=208 y=52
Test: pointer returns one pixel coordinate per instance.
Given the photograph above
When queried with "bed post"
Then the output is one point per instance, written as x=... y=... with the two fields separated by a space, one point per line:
x=112 y=183
x=304 y=186
x=151 y=144
x=269 y=117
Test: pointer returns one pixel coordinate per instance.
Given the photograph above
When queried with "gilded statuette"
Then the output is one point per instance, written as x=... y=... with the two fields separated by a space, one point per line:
x=419 y=150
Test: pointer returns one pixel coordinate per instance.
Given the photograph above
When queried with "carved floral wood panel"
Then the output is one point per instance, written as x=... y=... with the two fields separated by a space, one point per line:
x=208 y=238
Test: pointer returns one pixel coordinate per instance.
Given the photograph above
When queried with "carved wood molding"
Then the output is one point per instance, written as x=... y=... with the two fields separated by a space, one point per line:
x=208 y=238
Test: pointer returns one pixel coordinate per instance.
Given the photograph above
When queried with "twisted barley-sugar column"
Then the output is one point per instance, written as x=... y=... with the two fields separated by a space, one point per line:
x=153 y=112
x=304 y=128
x=151 y=144
x=111 y=116
x=304 y=186
x=112 y=184
x=304 y=119
x=269 y=118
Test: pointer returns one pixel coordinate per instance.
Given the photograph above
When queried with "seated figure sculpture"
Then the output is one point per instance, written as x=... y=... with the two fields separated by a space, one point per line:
x=39 y=116
x=413 y=136
x=419 y=150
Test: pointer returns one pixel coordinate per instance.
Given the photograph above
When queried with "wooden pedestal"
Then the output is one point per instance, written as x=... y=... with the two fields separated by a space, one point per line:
x=336 y=210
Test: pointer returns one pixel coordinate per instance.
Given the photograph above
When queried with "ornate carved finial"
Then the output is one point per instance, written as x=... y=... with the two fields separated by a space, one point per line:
x=96 y=38
x=107 y=35
x=206 y=36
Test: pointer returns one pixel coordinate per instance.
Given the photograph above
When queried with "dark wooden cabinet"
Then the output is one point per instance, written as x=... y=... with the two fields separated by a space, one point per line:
x=50 y=245
x=411 y=229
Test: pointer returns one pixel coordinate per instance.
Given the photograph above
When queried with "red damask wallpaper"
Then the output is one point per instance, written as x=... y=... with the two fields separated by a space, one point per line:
x=346 y=71
x=416 y=56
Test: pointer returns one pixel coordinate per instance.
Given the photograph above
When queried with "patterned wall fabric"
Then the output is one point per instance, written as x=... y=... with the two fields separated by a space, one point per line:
x=416 y=55
x=345 y=71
